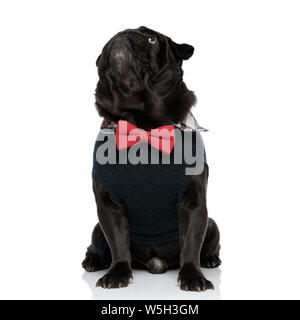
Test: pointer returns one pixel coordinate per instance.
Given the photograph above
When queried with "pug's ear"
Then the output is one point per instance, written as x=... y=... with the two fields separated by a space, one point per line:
x=98 y=60
x=182 y=51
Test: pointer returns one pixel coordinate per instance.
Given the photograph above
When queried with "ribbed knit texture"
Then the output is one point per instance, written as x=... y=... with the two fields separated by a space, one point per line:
x=149 y=193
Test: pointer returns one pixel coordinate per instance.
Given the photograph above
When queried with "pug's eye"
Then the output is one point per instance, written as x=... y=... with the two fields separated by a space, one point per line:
x=151 y=39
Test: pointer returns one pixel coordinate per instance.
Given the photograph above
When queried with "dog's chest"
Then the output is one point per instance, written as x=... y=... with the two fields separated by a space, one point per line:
x=149 y=193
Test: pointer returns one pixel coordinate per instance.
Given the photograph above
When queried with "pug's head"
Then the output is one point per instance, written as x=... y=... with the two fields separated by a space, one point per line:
x=140 y=79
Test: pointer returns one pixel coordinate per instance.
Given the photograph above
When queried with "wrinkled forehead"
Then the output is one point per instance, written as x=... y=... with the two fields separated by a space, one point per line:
x=137 y=34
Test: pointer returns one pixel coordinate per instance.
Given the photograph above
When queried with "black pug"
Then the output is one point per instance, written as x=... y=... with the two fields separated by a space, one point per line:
x=140 y=81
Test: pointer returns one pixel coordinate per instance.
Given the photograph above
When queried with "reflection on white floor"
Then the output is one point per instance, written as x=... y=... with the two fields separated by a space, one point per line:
x=146 y=286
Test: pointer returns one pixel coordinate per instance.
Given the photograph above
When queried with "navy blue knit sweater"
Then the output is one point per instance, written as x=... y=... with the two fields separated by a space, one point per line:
x=149 y=192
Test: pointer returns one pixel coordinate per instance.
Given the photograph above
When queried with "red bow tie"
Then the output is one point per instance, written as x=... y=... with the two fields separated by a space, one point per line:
x=162 y=138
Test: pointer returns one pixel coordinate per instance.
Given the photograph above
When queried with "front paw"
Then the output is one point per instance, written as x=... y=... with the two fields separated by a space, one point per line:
x=191 y=278
x=117 y=277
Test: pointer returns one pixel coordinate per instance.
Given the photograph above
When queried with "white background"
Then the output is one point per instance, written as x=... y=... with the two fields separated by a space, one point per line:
x=246 y=75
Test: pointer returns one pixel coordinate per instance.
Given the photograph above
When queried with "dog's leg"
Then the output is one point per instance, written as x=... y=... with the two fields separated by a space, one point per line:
x=97 y=256
x=114 y=224
x=193 y=221
x=209 y=256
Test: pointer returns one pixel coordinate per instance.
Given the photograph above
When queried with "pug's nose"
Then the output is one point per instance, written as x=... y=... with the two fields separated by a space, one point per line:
x=119 y=55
